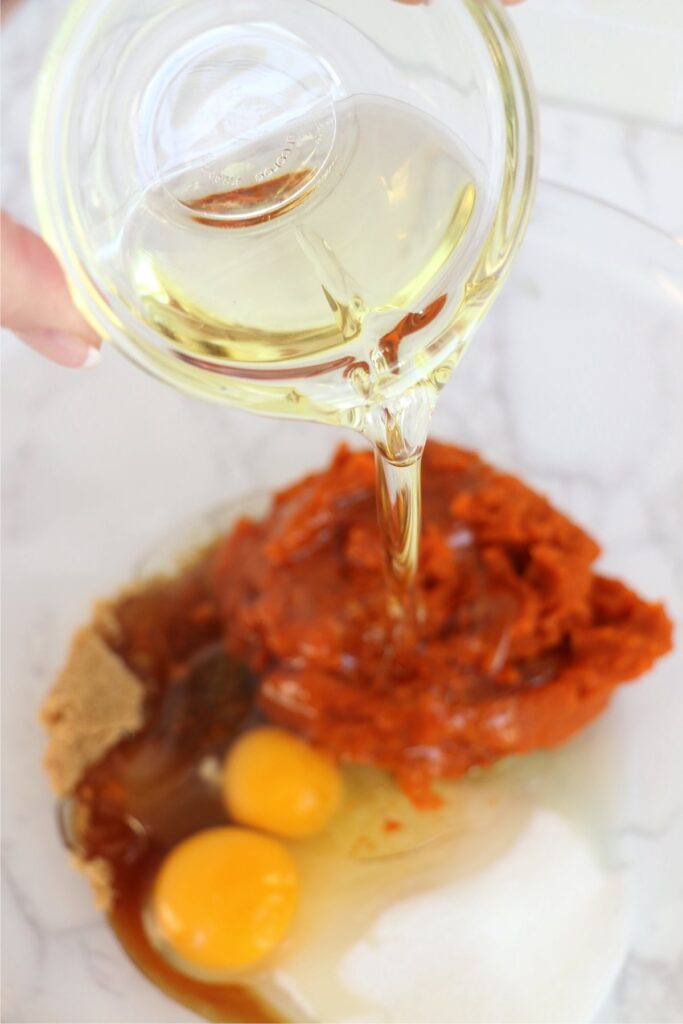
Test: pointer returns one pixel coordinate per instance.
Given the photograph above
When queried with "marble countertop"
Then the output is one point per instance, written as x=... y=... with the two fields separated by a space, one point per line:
x=97 y=466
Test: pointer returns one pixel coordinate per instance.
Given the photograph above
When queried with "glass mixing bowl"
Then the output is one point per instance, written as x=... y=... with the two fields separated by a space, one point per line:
x=575 y=384
x=140 y=92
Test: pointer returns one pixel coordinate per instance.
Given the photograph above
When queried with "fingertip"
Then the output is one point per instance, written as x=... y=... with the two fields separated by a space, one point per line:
x=63 y=348
x=35 y=294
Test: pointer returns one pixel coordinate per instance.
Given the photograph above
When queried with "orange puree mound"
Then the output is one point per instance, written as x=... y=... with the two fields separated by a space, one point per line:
x=521 y=643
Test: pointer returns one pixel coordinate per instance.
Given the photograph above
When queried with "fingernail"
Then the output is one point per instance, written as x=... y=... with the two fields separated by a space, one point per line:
x=63 y=348
x=92 y=359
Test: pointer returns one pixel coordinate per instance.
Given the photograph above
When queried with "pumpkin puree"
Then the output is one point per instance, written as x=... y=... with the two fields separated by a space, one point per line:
x=521 y=643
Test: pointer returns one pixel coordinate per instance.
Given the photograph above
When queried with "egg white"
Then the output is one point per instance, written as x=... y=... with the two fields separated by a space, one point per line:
x=499 y=907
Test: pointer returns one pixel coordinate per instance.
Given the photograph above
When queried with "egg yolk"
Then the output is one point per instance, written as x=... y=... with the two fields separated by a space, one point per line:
x=223 y=899
x=276 y=782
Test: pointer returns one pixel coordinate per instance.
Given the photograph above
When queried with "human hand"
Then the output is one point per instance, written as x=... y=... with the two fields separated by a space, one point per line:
x=35 y=302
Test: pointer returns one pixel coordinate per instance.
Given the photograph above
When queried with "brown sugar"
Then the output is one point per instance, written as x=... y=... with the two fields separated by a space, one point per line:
x=94 y=703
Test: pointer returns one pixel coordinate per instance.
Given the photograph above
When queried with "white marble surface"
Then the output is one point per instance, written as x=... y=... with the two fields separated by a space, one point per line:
x=98 y=465
x=628 y=52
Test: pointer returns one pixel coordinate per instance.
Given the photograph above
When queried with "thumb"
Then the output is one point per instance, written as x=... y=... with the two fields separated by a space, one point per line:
x=36 y=304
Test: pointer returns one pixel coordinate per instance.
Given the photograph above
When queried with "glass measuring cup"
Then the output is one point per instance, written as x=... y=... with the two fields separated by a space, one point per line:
x=133 y=93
